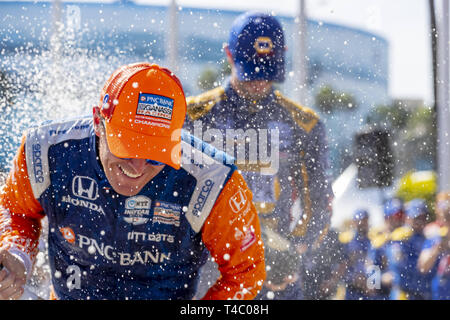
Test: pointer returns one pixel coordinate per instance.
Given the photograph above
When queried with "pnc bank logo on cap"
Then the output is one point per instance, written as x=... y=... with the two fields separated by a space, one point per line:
x=256 y=42
x=144 y=106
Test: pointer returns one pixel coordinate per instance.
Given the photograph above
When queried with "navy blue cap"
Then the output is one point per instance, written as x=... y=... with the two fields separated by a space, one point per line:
x=256 y=42
x=415 y=208
x=393 y=206
x=360 y=214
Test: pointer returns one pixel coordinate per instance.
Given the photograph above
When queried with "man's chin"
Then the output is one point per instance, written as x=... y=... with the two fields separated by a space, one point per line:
x=127 y=186
x=126 y=191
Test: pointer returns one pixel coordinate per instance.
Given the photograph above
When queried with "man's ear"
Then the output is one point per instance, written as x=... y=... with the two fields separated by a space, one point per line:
x=230 y=61
x=229 y=56
x=96 y=117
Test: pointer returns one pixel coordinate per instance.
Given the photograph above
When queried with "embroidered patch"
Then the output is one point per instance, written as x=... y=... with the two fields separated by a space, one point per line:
x=155 y=106
x=137 y=210
x=167 y=213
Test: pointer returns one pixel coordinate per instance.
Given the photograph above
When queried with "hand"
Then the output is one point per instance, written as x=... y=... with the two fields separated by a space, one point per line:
x=12 y=277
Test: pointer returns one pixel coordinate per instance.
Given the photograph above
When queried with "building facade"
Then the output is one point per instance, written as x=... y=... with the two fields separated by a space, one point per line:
x=45 y=50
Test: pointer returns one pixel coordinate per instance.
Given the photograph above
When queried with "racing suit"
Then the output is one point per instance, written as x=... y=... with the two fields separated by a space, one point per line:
x=440 y=285
x=403 y=254
x=291 y=190
x=377 y=257
x=103 y=245
x=356 y=252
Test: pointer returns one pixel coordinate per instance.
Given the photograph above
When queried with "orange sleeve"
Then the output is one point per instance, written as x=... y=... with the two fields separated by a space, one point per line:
x=20 y=212
x=232 y=234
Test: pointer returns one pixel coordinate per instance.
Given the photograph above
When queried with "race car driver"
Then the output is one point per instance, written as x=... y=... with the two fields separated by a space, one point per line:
x=132 y=214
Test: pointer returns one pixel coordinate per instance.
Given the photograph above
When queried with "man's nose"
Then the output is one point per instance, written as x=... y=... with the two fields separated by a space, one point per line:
x=137 y=164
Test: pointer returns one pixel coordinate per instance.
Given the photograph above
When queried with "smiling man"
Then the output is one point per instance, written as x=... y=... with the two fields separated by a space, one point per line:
x=131 y=214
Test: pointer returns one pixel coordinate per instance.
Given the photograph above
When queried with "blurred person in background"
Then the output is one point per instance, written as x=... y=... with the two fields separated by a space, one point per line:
x=394 y=214
x=435 y=254
x=292 y=193
x=406 y=244
x=394 y=218
x=356 y=249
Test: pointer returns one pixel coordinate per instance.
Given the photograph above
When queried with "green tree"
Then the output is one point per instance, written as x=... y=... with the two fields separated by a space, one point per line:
x=420 y=135
x=211 y=77
x=413 y=134
x=394 y=117
x=207 y=79
x=329 y=100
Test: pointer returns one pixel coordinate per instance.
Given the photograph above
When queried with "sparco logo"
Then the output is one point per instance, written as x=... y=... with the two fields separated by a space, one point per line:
x=37 y=164
x=85 y=187
x=201 y=200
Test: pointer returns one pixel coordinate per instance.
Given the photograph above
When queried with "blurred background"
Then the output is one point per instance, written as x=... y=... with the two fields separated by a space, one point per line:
x=376 y=71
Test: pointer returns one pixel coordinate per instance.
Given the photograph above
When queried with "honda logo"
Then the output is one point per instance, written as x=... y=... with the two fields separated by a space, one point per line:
x=85 y=187
x=238 y=201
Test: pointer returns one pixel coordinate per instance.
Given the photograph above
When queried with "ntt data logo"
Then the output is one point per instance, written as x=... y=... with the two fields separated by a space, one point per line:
x=137 y=210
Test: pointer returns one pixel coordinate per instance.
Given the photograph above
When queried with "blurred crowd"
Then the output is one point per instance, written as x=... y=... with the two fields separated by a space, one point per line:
x=408 y=258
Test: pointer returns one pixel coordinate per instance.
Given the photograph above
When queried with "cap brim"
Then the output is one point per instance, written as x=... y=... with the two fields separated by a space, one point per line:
x=124 y=143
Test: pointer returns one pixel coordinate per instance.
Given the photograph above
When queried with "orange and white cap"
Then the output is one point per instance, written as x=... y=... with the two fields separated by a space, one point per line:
x=144 y=106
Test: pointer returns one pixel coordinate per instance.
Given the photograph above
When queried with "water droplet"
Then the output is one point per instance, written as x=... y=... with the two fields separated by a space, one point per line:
x=91 y=249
